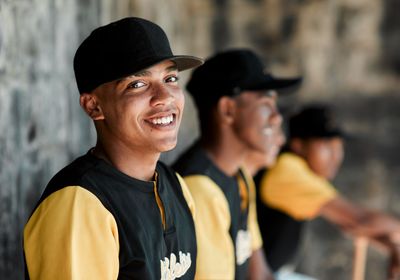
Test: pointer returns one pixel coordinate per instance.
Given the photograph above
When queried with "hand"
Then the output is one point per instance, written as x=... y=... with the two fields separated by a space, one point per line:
x=394 y=263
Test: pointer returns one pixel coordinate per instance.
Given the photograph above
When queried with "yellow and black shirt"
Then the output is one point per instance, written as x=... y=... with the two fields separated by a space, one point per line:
x=290 y=193
x=95 y=222
x=226 y=223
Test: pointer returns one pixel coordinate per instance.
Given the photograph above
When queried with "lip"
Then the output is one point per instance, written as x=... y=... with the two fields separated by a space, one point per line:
x=161 y=114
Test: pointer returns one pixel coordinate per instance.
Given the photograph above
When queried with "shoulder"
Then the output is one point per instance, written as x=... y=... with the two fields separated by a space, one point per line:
x=164 y=170
x=73 y=174
x=192 y=161
x=205 y=191
x=168 y=176
x=68 y=205
x=69 y=218
x=288 y=167
x=201 y=183
x=290 y=160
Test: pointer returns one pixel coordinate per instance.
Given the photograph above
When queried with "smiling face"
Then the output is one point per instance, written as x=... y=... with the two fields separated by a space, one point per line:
x=257 y=119
x=141 y=112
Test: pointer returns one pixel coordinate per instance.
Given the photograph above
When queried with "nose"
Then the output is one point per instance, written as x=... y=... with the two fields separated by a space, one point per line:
x=339 y=154
x=281 y=138
x=276 y=118
x=161 y=95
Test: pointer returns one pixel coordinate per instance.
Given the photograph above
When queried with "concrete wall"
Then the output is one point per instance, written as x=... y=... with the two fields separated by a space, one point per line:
x=347 y=51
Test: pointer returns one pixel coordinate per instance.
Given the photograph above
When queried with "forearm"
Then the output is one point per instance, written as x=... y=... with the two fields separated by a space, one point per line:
x=376 y=224
x=258 y=267
x=358 y=221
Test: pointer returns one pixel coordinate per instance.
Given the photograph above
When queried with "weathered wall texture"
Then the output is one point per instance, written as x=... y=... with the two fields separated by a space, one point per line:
x=347 y=50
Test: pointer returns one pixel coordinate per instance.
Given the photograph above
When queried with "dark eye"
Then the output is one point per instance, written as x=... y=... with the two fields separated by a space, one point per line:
x=172 y=79
x=137 y=84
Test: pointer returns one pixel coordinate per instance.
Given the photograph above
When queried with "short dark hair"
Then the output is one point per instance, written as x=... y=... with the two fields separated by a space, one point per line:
x=314 y=121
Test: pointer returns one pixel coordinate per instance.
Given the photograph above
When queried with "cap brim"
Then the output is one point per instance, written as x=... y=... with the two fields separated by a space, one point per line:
x=278 y=83
x=334 y=133
x=345 y=135
x=185 y=62
x=304 y=134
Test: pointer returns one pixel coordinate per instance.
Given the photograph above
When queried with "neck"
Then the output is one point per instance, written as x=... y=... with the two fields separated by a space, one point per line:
x=134 y=163
x=226 y=153
x=251 y=168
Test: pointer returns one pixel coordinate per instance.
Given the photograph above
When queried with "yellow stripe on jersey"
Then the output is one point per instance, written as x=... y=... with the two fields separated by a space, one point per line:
x=159 y=202
x=244 y=194
x=292 y=187
x=252 y=221
x=215 y=249
x=71 y=235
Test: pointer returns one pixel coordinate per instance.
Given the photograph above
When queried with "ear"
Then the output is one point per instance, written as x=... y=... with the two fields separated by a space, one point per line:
x=90 y=105
x=297 y=145
x=226 y=108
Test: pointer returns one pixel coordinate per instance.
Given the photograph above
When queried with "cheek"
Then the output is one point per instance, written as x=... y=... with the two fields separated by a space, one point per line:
x=250 y=122
x=179 y=99
x=255 y=124
x=132 y=112
x=264 y=113
x=324 y=155
x=258 y=118
x=115 y=112
x=319 y=161
x=327 y=163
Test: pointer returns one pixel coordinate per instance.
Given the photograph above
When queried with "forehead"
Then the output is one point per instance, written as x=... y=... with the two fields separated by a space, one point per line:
x=321 y=141
x=163 y=66
x=261 y=93
x=258 y=96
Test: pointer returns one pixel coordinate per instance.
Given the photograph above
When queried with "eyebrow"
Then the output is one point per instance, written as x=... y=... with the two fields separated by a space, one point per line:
x=271 y=93
x=145 y=73
x=148 y=73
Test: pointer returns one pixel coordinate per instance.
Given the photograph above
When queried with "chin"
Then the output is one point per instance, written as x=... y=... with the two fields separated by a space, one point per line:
x=332 y=176
x=166 y=146
x=270 y=163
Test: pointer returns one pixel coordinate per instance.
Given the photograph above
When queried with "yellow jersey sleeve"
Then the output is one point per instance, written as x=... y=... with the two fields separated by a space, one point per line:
x=215 y=249
x=71 y=235
x=252 y=221
x=292 y=187
x=186 y=194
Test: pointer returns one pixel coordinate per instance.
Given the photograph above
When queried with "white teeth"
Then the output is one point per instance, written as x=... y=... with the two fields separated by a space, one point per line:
x=267 y=131
x=163 y=120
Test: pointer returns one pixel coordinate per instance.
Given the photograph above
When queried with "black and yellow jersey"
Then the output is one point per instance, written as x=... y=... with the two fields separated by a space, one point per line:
x=226 y=223
x=280 y=232
x=290 y=193
x=95 y=222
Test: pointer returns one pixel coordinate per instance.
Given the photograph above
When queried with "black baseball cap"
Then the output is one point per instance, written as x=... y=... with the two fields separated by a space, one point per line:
x=231 y=72
x=315 y=121
x=122 y=48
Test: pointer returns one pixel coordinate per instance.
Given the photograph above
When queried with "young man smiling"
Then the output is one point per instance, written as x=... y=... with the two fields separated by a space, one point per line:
x=116 y=212
x=236 y=103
